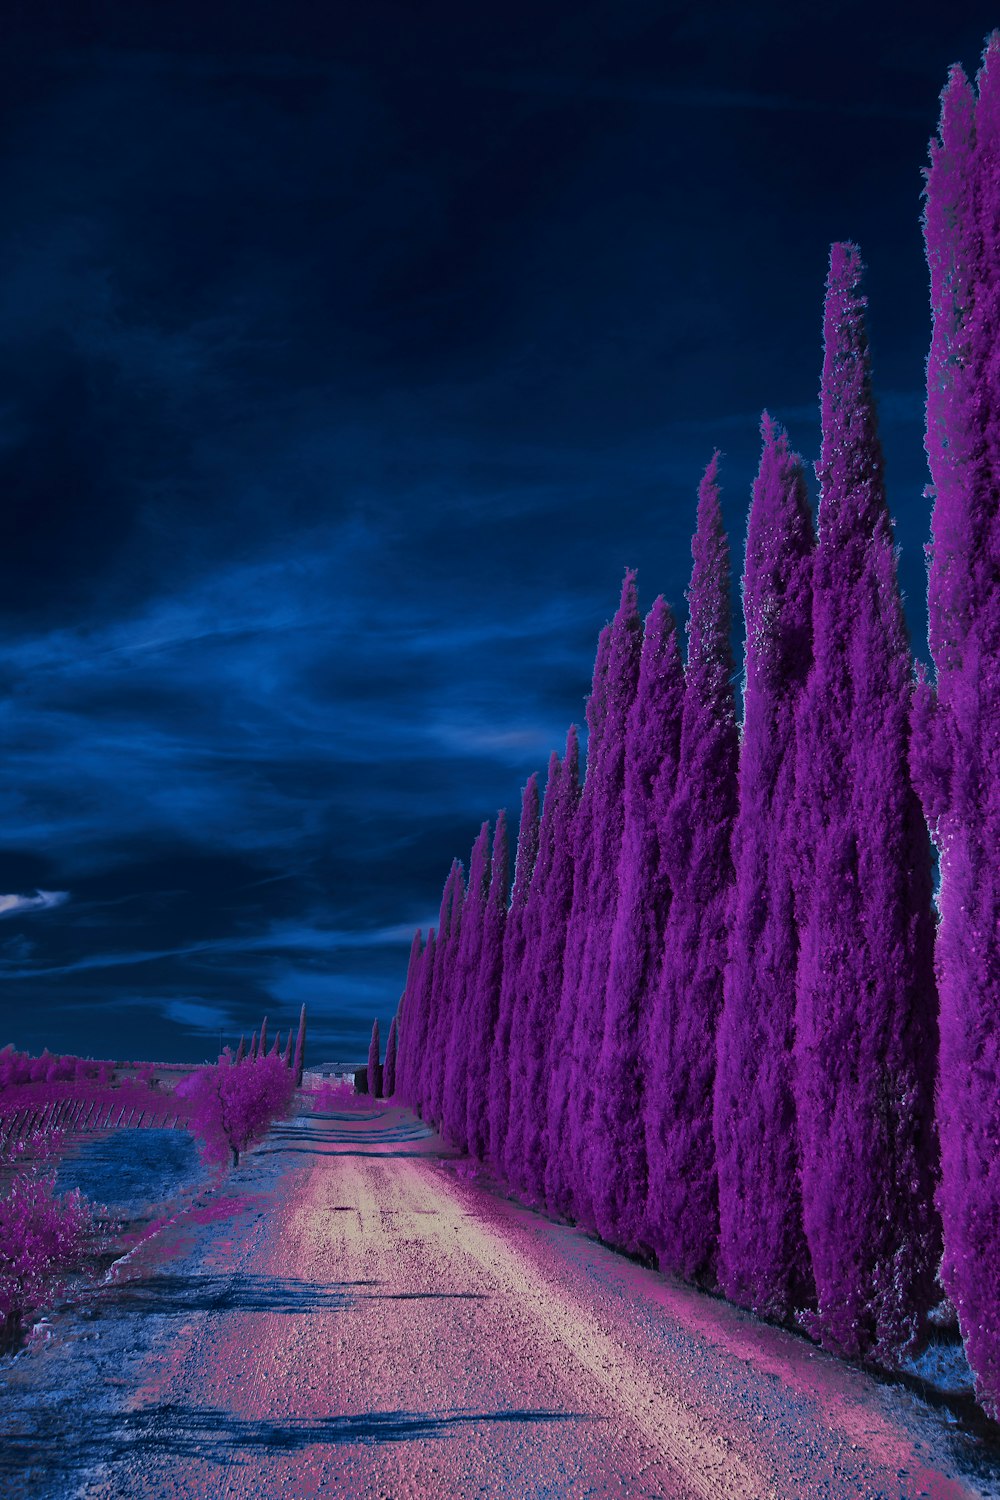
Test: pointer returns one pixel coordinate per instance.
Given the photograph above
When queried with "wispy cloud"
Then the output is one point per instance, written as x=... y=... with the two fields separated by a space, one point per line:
x=40 y=901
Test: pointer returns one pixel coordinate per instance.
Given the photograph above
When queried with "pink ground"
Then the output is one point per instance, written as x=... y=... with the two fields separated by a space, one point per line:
x=380 y=1326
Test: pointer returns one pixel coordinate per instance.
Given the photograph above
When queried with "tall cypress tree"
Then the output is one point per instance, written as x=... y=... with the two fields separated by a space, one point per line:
x=407 y=1021
x=374 y=1063
x=549 y=903
x=599 y=900
x=391 y=1044
x=442 y=991
x=682 y=1204
x=865 y=1010
x=764 y=1259
x=483 y=1013
x=507 y=1035
x=241 y=1050
x=300 y=1048
x=617 y=1159
x=957 y=728
x=561 y=1168
x=463 y=994
x=420 y=1030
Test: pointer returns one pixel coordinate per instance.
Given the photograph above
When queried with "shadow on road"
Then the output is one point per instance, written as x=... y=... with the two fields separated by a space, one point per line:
x=217 y=1436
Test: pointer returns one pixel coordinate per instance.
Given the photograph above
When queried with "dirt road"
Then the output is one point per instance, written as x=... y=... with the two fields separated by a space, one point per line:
x=374 y=1324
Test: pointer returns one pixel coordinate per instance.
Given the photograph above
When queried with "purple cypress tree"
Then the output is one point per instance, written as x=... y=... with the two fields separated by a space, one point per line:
x=262 y=1044
x=419 y=1029
x=446 y=978
x=276 y=1044
x=241 y=1050
x=287 y=1056
x=599 y=871
x=549 y=901
x=618 y=1158
x=300 y=1048
x=956 y=750
x=374 y=1063
x=763 y=1256
x=406 y=1020
x=464 y=997
x=485 y=1009
x=513 y=1003
x=252 y=1055
x=682 y=1203
x=560 y=1167
x=865 y=1047
x=389 y=1071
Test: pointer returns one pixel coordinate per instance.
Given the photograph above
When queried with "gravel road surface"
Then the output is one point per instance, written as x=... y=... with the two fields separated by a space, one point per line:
x=361 y=1317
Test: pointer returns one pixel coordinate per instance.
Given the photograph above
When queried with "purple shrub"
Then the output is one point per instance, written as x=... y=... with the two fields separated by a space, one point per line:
x=300 y=1049
x=763 y=1256
x=682 y=1202
x=374 y=1063
x=956 y=748
x=485 y=1009
x=507 y=1038
x=600 y=855
x=865 y=1046
x=389 y=1071
x=463 y=994
x=617 y=1160
x=232 y=1107
x=560 y=1166
x=42 y=1235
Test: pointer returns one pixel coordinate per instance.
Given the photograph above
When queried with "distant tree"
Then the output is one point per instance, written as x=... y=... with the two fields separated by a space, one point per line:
x=262 y=1044
x=287 y=1054
x=389 y=1071
x=300 y=1048
x=463 y=997
x=956 y=748
x=560 y=1164
x=599 y=857
x=617 y=1158
x=276 y=1045
x=546 y=917
x=486 y=1003
x=507 y=1038
x=764 y=1259
x=682 y=1203
x=253 y=1047
x=419 y=1029
x=241 y=1050
x=865 y=1048
x=374 y=1063
x=232 y=1107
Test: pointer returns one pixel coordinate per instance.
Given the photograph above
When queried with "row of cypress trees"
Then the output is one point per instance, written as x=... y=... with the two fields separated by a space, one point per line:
x=705 y=1024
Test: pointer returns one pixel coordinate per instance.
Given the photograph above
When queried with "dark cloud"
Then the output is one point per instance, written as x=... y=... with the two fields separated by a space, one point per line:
x=346 y=360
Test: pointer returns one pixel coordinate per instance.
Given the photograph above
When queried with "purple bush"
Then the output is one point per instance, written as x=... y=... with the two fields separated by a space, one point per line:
x=956 y=750
x=866 y=1044
x=42 y=1235
x=617 y=1158
x=682 y=1202
x=231 y=1107
x=486 y=996
x=600 y=855
x=763 y=1257
x=546 y=916
x=374 y=1063
x=507 y=1039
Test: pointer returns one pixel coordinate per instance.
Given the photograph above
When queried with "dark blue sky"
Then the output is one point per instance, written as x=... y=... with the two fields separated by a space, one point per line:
x=347 y=356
